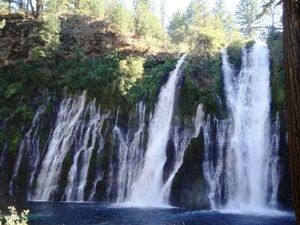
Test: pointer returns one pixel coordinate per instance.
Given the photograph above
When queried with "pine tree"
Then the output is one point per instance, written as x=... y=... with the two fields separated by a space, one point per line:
x=146 y=24
x=162 y=12
x=177 y=28
x=196 y=13
x=119 y=16
x=224 y=15
x=246 y=14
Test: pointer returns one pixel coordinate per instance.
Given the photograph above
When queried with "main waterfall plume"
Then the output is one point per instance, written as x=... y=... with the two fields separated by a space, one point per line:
x=248 y=159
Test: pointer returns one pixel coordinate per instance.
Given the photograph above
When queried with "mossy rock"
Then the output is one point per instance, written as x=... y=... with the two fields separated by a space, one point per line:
x=189 y=188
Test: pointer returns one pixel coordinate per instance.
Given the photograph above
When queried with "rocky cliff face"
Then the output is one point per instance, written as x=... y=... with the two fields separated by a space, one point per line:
x=17 y=38
x=94 y=37
x=86 y=34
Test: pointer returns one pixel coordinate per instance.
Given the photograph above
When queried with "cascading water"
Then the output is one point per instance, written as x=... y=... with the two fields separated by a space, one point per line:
x=77 y=132
x=249 y=150
x=31 y=143
x=214 y=153
x=62 y=139
x=181 y=140
x=88 y=136
x=148 y=189
x=274 y=175
x=99 y=172
x=130 y=154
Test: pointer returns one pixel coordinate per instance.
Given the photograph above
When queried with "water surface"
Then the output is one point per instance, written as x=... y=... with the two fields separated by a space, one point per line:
x=47 y=213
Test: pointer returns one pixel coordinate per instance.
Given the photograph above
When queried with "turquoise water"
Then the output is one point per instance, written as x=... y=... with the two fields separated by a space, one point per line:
x=46 y=213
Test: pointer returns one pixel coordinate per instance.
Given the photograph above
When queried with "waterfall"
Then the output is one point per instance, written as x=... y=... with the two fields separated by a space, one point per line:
x=63 y=137
x=274 y=175
x=249 y=150
x=181 y=140
x=198 y=120
x=94 y=156
x=148 y=189
x=2 y=158
x=31 y=143
x=87 y=139
x=214 y=153
x=76 y=135
x=99 y=172
x=130 y=155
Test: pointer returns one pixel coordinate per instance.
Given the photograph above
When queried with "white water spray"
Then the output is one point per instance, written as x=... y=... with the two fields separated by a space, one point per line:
x=130 y=154
x=31 y=144
x=64 y=134
x=248 y=100
x=88 y=137
x=148 y=190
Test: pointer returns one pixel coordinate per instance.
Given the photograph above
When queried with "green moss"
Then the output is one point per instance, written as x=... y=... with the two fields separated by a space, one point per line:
x=274 y=42
x=14 y=140
x=188 y=187
x=148 y=86
x=191 y=203
x=249 y=44
x=234 y=53
x=202 y=84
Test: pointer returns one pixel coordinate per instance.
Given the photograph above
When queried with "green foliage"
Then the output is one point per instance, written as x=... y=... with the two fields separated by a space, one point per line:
x=220 y=10
x=196 y=13
x=249 y=44
x=151 y=82
x=246 y=14
x=14 y=145
x=186 y=28
x=177 y=28
x=109 y=78
x=225 y=16
x=274 y=42
x=20 y=89
x=234 y=50
x=49 y=34
x=147 y=25
x=234 y=53
x=90 y=7
x=56 y=6
x=189 y=95
x=12 y=89
x=2 y=23
x=3 y=6
x=202 y=84
x=119 y=16
x=202 y=81
x=14 y=218
x=132 y=69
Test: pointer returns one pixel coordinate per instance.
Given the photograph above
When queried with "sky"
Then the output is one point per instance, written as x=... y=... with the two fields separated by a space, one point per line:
x=175 y=5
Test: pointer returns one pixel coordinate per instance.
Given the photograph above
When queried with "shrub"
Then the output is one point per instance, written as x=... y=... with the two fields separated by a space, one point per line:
x=14 y=218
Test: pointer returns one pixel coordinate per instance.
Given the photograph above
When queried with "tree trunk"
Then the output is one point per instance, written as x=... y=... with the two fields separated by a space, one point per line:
x=32 y=9
x=291 y=43
x=38 y=8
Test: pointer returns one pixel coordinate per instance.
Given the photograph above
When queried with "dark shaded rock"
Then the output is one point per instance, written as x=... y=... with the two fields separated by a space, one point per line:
x=170 y=163
x=189 y=188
